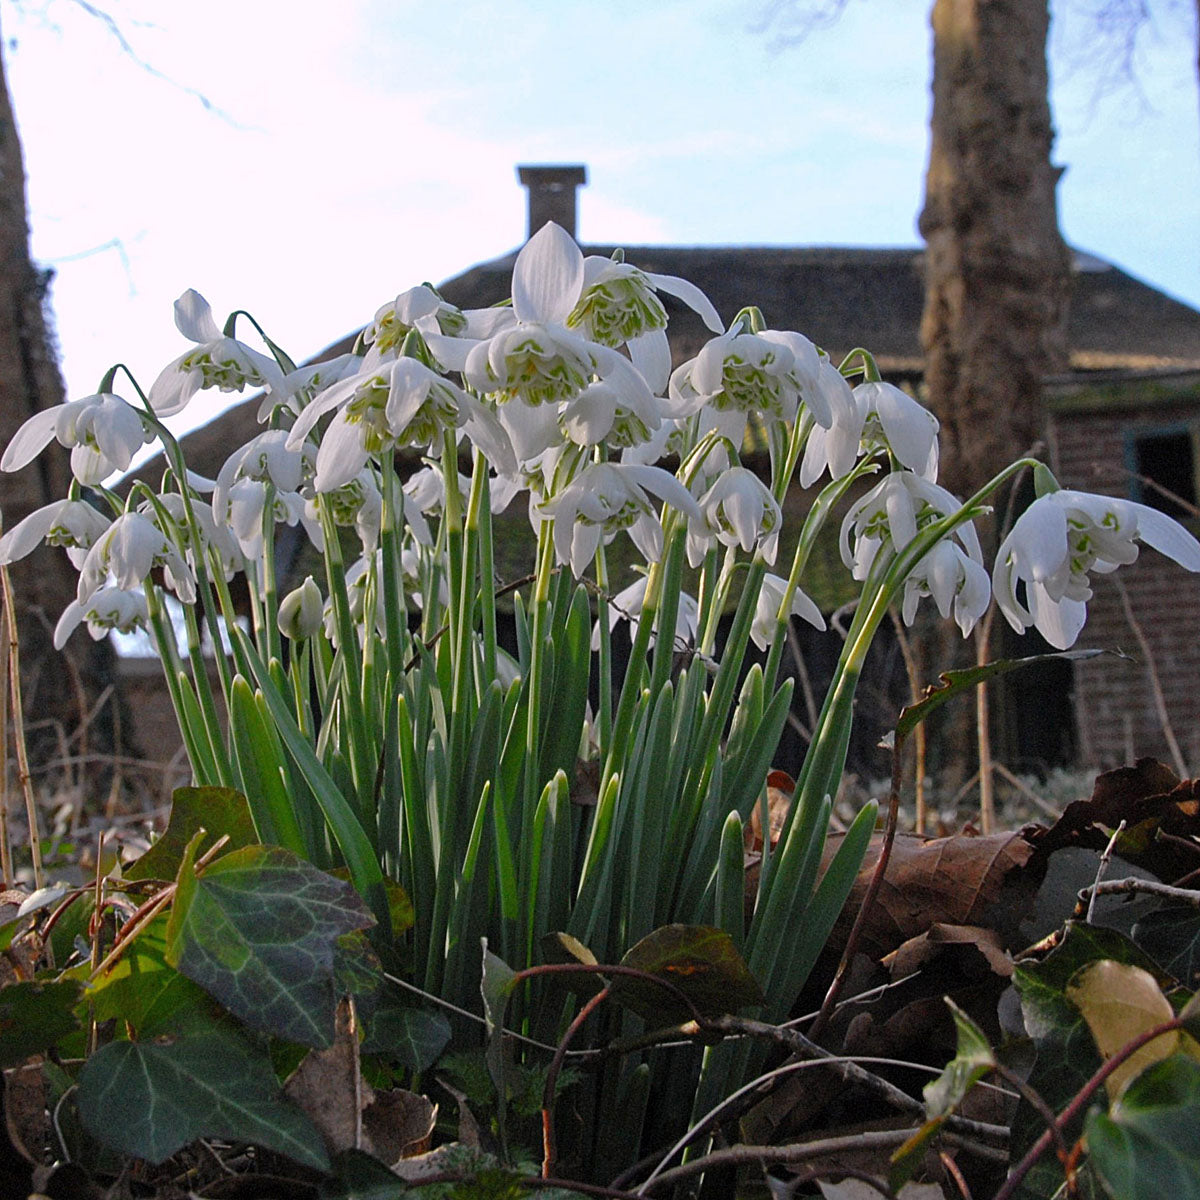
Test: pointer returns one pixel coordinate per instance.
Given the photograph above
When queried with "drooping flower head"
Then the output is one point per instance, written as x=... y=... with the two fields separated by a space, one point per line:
x=1058 y=540
x=215 y=361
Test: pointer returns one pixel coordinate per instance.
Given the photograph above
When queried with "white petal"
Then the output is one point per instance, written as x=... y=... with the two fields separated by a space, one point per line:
x=1059 y=623
x=30 y=440
x=67 y=623
x=1167 y=536
x=21 y=539
x=547 y=277
x=651 y=354
x=1039 y=539
x=194 y=319
x=691 y=295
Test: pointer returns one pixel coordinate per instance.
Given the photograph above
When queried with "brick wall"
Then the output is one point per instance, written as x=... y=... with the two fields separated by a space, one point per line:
x=1115 y=711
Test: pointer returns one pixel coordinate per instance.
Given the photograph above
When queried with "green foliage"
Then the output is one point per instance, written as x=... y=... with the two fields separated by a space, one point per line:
x=413 y=1037
x=34 y=1016
x=258 y=930
x=701 y=962
x=220 y=812
x=169 y=1093
x=1146 y=1145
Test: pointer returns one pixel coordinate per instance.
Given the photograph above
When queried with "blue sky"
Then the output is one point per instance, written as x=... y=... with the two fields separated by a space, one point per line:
x=364 y=146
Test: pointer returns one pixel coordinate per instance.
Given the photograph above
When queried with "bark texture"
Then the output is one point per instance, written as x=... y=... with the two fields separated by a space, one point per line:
x=997 y=269
x=59 y=690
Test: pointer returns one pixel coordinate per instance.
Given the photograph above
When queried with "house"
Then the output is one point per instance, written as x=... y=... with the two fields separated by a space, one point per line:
x=1124 y=420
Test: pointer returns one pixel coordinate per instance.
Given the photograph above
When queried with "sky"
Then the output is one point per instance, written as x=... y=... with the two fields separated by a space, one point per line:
x=308 y=161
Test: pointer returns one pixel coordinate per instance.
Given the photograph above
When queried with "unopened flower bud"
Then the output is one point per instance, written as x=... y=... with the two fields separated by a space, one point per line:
x=300 y=611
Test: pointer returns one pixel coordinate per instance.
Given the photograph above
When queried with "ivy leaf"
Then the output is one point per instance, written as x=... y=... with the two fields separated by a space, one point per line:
x=33 y=1016
x=702 y=962
x=1172 y=936
x=145 y=992
x=1146 y=1146
x=168 y=1094
x=258 y=931
x=973 y=1059
x=219 y=811
x=412 y=1036
x=1119 y=1003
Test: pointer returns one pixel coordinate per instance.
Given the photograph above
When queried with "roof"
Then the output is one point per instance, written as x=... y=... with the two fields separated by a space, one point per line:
x=840 y=298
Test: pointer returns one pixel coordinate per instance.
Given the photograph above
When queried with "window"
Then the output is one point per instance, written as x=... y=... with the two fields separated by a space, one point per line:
x=1163 y=462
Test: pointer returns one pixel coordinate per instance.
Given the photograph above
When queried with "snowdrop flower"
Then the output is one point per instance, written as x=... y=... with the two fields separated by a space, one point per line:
x=766 y=610
x=127 y=552
x=103 y=432
x=890 y=515
x=738 y=510
x=300 y=611
x=269 y=458
x=893 y=419
x=602 y=413
x=245 y=509
x=1061 y=537
x=105 y=609
x=618 y=304
x=74 y=524
x=214 y=538
x=627 y=605
x=418 y=308
x=737 y=374
x=607 y=497
x=389 y=404
x=216 y=361
x=359 y=503
x=953 y=578
x=836 y=446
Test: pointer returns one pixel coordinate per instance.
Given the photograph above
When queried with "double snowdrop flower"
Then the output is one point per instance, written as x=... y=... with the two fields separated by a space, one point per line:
x=73 y=524
x=128 y=550
x=106 y=609
x=400 y=402
x=879 y=416
x=766 y=610
x=103 y=432
x=887 y=519
x=605 y=498
x=737 y=510
x=216 y=361
x=418 y=308
x=1058 y=540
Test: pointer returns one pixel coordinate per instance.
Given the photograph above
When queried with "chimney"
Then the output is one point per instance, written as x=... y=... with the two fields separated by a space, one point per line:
x=552 y=194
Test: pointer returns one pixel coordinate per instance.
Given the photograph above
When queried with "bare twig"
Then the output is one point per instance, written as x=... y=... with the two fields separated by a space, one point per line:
x=14 y=682
x=1151 y=887
x=1101 y=867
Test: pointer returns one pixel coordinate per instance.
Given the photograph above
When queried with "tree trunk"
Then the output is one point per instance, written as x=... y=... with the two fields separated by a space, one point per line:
x=997 y=269
x=59 y=690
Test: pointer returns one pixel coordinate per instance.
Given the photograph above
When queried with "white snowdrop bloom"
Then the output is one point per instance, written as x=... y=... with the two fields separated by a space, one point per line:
x=215 y=361
x=892 y=418
x=418 y=308
x=245 y=509
x=955 y=580
x=738 y=510
x=303 y=384
x=737 y=373
x=605 y=498
x=359 y=503
x=215 y=539
x=103 y=432
x=1058 y=540
x=627 y=605
x=74 y=524
x=602 y=413
x=128 y=550
x=890 y=515
x=836 y=447
x=106 y=609
x=267 y=457
x=766 y=610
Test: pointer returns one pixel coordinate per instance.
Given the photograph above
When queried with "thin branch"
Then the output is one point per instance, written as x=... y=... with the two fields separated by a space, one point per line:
x=1151 y=887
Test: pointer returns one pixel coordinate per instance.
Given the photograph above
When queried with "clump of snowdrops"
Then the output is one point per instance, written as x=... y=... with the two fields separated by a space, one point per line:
x=376 y=723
